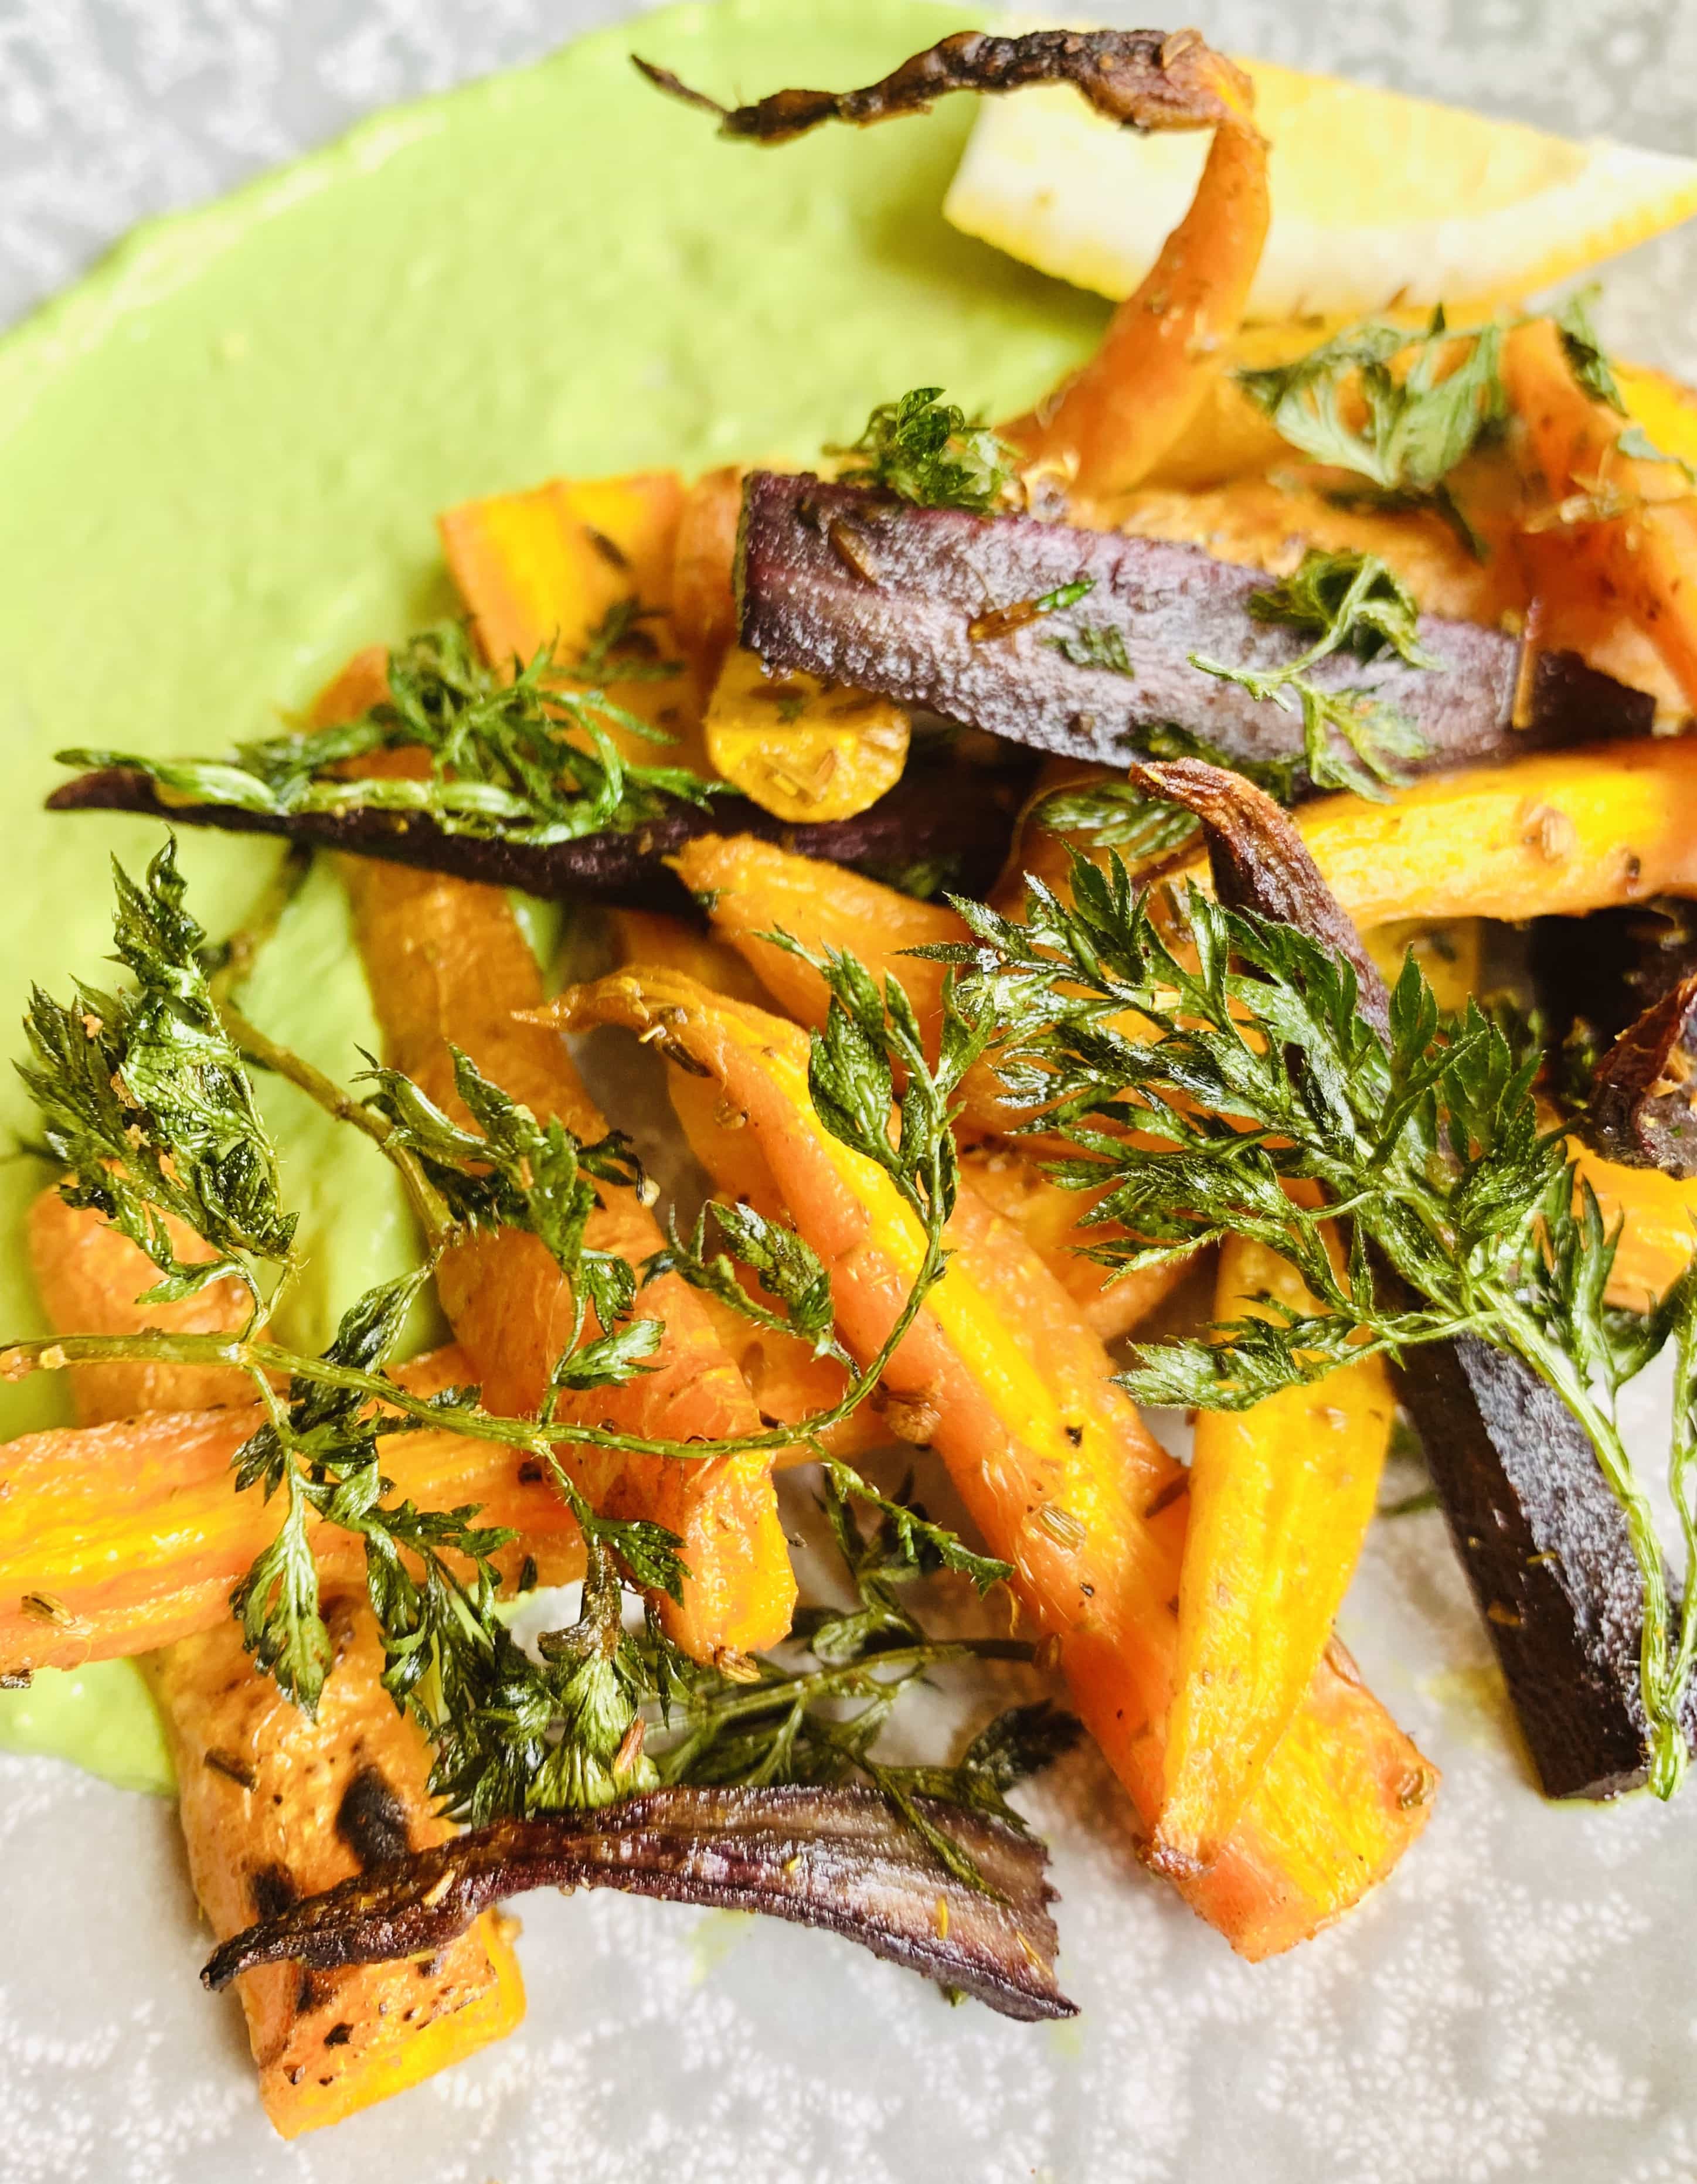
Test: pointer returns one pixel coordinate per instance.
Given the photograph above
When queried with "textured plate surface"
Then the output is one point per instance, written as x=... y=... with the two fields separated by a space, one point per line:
x=1519 y=2002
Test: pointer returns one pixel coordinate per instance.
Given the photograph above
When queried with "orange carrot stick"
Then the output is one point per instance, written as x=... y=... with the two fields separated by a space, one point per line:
x=447 y=961
x=1060 y=1476
x=1108 y=425
x=90 y=1278
x=752 y=894
x=1630 y=523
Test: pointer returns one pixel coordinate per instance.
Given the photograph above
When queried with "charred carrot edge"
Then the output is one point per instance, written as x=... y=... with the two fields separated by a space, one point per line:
x=269 y=1800
x=276 y=1806
x=1281 y=1498
x=1060 y=1476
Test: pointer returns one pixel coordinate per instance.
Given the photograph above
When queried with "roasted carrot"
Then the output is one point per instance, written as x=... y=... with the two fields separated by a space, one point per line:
x=1105 y=428
x=1051 y=1220
x=1280 y=1498
x=1061 y=1477
x=703 y=593
x=276 y=1806
x=448 y=961
x=1657 y=1215
x=1629 y=522
x=646 y=936
x=120 y=1537
x=90 y=1279
x=754 y=888
x=545 y=568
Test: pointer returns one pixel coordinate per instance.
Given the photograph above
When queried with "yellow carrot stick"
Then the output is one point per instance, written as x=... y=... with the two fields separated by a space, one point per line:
x=1281 y=1498
x=544 y=568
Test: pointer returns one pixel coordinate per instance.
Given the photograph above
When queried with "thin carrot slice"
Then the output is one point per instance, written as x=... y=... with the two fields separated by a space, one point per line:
x=1107 y=426
x=1281 y=1498
x=802 y=749
x=276 y=1806
x=1061 y=1477
x=448 y=962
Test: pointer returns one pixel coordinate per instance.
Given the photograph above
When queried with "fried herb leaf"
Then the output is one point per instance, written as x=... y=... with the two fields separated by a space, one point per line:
x=1586 y=359
x=143 y=1098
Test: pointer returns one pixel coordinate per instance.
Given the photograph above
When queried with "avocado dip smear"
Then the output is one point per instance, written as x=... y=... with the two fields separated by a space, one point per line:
x=221 y=453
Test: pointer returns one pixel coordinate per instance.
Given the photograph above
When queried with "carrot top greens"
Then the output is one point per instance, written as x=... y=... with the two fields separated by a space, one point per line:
x=1465 y=1214
x=145 y=1100
x=530 y=758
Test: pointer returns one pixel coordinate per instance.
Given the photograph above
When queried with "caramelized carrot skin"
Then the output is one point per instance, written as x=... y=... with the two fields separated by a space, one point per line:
x=448 y=962
x=276 y=1806
x=1062 y=1478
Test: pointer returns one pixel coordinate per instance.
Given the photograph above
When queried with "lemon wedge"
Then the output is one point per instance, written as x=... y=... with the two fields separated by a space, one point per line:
x=1378 y=200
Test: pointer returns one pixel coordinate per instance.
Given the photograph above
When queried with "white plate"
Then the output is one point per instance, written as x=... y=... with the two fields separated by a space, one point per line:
x=1518 y=2002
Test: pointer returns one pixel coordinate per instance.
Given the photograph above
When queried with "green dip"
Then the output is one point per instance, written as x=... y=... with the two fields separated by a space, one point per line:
x=221 y=456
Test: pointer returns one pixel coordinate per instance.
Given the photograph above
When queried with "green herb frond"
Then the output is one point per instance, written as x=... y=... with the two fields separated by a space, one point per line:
x=143 y=1100
x=531 y=759
x=1347 y=602
x=1416 y=422
x=1463 y=1211
x=927 y=451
